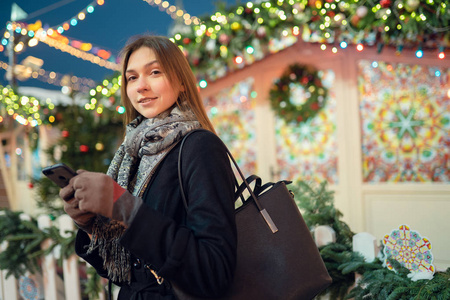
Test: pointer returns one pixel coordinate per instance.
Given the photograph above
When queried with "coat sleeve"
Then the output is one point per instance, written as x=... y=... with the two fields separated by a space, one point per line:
x=199 y=255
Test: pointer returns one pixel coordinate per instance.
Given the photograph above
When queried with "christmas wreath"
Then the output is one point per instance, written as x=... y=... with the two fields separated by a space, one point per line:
x=298 y=94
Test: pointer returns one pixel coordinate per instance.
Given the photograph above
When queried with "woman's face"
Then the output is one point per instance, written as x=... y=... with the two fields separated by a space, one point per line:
x=148 y=88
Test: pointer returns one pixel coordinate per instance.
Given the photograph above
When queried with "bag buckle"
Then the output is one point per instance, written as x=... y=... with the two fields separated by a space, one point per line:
x=159 y=279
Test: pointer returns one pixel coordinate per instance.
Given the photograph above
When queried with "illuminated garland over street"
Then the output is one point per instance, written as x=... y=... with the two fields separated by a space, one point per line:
x=78 y=17
x=58 y=79
x=174 y=11
x=31 y=34
x=78 y=53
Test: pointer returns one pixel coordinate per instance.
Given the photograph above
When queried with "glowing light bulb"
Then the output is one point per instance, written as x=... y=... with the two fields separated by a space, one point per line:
x=441 y=55
x=419 y=53
x=120 y=109
x=360 y=47
x=203 y=83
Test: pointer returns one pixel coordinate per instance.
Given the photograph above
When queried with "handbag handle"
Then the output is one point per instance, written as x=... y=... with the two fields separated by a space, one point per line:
x=261 y=209
x=242 y=187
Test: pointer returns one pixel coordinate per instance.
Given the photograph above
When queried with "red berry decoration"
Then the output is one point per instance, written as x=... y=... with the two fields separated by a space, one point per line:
x=84 y=148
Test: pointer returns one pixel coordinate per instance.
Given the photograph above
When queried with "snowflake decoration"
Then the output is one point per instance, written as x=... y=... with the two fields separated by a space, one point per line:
x=408 y=248
x=28 y=288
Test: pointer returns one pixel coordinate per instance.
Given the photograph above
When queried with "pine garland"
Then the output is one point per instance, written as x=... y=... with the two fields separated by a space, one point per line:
x=317 y=205
x=93 y=285
x=384 y=284
x=22 y=240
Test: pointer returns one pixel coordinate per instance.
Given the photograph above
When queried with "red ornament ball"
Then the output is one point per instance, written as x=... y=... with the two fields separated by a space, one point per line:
x=385 y=3
x=30 y=185
x=84 y=148
x=65 y=133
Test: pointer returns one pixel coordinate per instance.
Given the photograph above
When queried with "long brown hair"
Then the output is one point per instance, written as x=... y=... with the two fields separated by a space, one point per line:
x=177 y=70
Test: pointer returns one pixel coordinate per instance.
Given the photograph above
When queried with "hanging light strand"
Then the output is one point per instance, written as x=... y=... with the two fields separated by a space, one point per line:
x=174 y=11
x=30 y=29
x=58 y=79
x=80 y=16
x=78 y=53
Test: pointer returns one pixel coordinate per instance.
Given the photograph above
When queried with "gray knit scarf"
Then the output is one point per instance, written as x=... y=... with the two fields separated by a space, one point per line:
x=146 y=143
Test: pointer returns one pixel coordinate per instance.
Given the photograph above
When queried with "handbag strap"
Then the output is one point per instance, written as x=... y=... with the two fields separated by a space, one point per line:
x=261 y=209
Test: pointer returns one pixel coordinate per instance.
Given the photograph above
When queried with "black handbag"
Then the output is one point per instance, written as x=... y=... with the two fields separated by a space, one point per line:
x=276 y=254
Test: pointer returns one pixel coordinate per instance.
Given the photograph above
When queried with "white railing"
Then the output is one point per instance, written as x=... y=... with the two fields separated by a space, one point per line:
x=49 y=285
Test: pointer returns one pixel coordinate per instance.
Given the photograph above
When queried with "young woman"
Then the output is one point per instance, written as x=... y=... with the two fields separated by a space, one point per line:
x=134 y=228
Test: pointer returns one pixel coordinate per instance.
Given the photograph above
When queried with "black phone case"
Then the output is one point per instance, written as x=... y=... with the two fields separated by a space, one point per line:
x=59 y=174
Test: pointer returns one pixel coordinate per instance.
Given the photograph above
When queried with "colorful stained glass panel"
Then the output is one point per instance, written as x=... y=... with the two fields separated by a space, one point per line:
x=405 y=118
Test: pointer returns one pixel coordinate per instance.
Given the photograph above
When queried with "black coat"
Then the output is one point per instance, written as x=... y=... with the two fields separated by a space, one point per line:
x=196 y=250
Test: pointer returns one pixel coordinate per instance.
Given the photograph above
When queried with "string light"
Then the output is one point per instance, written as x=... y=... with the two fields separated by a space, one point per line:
x=203 y=84
x=31 y=111
x=174 y=11
x=419 y=53
x=64 y=26
x=441 y=54
x=57 y=79
x=41 y=34
x=78 y=53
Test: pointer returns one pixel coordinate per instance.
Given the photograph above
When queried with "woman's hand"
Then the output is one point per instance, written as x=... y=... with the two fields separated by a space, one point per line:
x=100 y=194
x=82 y=219
x=96 y=192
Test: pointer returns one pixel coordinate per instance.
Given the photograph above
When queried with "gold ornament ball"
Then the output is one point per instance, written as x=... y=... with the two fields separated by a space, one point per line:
x=99 y=147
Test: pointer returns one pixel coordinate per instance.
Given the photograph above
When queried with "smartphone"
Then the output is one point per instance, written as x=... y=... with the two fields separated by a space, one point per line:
x=59 y=174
